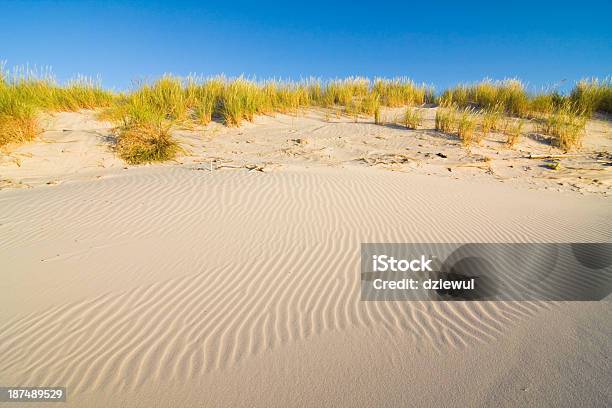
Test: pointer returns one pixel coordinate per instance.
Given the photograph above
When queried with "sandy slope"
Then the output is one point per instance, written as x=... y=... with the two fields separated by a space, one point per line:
x=173 y=286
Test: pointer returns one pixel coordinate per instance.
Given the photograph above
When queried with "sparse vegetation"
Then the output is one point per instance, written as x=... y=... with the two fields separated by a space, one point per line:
x=466 y=126
x=413 y=118
x=490 y=122
x=512 y=130
x=377 y=116
x=446 y=119
x=566 y=127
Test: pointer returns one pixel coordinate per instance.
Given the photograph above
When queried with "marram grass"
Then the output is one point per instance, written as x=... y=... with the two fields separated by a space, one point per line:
x=446 y=119
x=466 y=126
x=153 y=108
x=24 y=93
x=413 y=118
x=566 y=127
x=145 y=143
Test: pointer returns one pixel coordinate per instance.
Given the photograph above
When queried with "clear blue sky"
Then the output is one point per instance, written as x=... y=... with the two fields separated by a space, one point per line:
x=430 y=41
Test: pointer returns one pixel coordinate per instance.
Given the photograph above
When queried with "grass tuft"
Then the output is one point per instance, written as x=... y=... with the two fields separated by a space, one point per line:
x=413 y=118
x=566 y=126
x=446 y=119
x=512 y=130
x=466 y=125
x=145 y=143
x=592 y=95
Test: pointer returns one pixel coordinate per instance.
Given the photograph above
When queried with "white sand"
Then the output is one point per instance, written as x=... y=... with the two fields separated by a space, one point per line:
x=171 y=286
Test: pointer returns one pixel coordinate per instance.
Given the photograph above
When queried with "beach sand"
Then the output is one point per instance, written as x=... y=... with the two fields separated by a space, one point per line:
x=177 y=285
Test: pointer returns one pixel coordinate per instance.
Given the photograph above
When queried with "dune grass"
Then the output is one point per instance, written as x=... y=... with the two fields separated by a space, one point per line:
x=378 y=116
x=466 y=125
x=145 y=143
x=402 y=92
x=24 y=93
x=566 y=126
x=512 y=129
x=146 y=115
x=592 y=95
x=446 y=119
x=413 y=118
x=17 y=117
x=203 y=99
x=509 y=95
x=490 y=121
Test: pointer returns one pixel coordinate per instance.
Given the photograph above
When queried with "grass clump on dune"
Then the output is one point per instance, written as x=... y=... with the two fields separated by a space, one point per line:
x=413 y=118
x=446 y=119
x=512 y=130
x=239 y=101
x=343 y=92
x=490 y=121
x=566 y=126
x=17 y=120
x=401 y=92
x=466 y=124
x=17 y=117
x=145 y=143
x=593 y=95
x=508 y=94
x=587 y=97
x=41 y=91
x=145 y=117
x=204 y=98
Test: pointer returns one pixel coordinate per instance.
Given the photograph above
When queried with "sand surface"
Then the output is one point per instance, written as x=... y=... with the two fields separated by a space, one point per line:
x=174 y=285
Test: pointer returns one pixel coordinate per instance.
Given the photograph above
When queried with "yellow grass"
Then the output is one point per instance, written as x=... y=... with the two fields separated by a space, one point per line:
x=146 y=143
x=24 y=93
x=144 y=115
x=446 y=119
x=512 y=130
x=466 y=124
x=566 y=127
x=413 y=118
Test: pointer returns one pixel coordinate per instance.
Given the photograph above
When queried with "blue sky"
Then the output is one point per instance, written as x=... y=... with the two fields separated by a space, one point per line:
x=439 y=43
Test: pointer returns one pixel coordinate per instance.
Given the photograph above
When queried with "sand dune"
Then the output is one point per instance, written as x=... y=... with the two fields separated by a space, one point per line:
x=169 y=286
x=165 y=275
